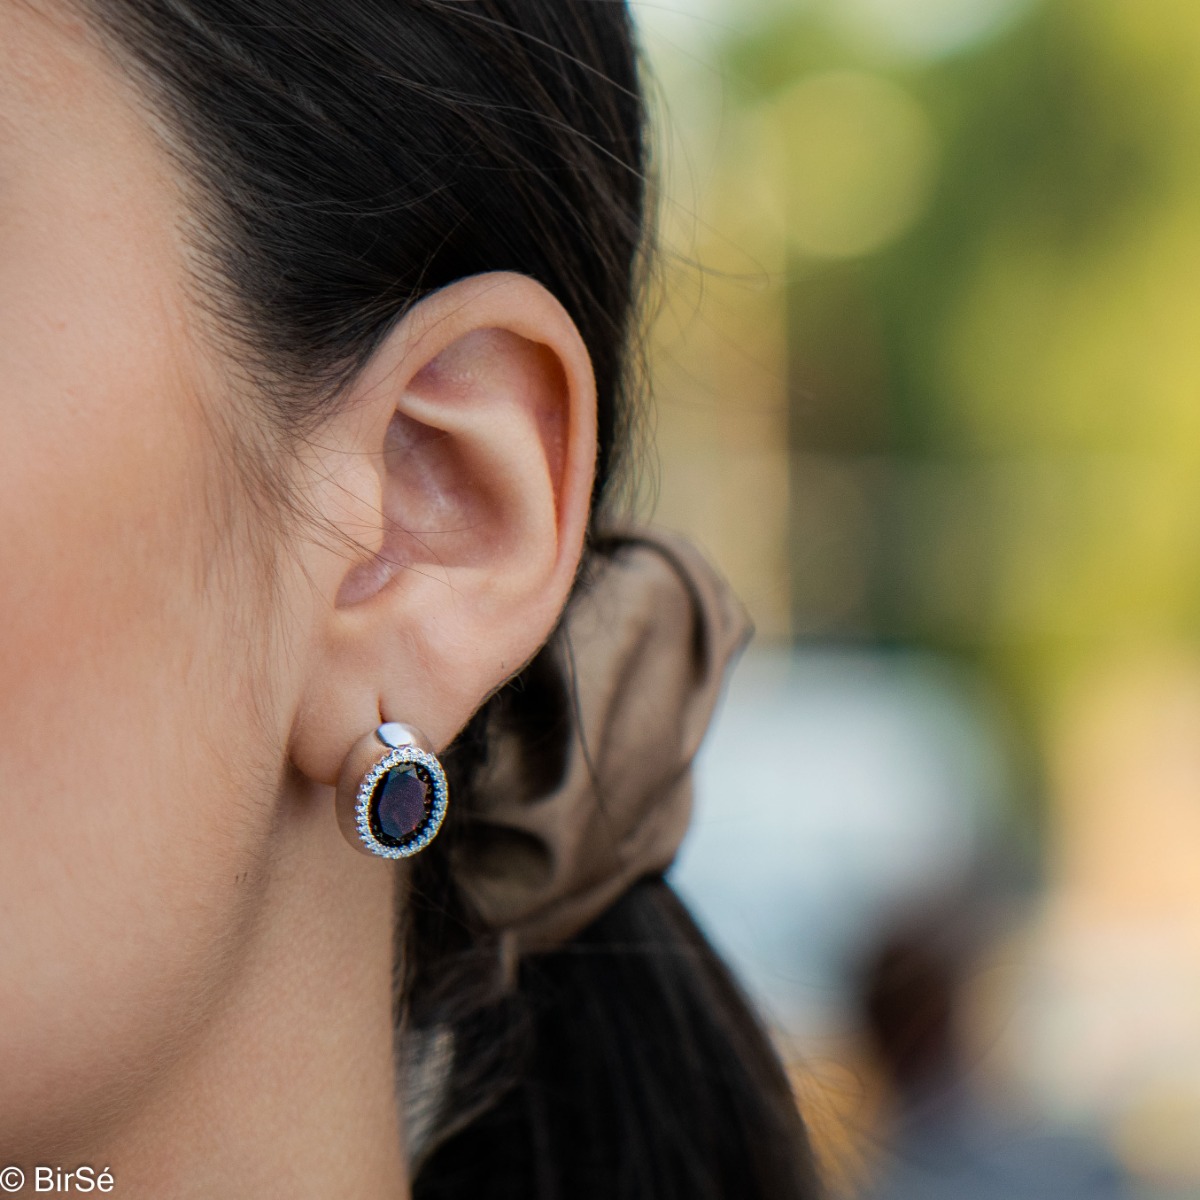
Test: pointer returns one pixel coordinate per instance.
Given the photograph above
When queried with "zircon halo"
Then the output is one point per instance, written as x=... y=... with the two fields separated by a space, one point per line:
x=401 y=802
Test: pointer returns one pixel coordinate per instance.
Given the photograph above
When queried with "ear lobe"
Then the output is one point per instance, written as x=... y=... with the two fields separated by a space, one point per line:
x=478 y=413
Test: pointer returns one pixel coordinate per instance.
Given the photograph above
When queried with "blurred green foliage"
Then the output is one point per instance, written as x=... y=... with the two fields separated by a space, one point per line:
x=994 y=410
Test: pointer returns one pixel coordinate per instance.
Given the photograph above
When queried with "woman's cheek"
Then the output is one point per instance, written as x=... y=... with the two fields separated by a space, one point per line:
x=130 y=833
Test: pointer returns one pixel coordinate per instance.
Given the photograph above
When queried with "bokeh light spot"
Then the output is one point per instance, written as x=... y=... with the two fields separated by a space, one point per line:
x=856 y=156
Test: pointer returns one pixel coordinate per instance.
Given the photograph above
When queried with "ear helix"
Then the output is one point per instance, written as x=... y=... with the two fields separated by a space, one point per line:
x=392 y=792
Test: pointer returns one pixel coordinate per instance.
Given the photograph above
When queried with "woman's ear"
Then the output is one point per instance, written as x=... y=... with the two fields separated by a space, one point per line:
x=457 y=477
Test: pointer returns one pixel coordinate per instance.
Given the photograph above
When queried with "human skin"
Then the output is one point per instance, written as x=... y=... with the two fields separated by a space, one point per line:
x=195 y=967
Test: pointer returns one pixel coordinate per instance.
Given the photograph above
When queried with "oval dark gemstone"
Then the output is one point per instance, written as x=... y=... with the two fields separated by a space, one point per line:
x=400 y=803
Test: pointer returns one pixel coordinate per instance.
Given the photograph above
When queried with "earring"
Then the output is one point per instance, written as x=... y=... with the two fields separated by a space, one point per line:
x=391 y=805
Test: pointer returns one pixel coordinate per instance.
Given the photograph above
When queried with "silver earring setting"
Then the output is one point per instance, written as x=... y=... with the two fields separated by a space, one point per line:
x=392 y=805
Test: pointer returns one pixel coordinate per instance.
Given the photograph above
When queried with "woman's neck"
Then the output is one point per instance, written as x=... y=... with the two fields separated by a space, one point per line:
x=288 y=1087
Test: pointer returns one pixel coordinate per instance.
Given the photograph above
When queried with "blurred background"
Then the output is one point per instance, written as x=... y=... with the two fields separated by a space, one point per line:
x=927 y=377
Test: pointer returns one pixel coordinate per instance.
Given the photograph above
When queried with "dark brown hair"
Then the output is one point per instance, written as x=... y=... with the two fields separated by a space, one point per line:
x=347 y=158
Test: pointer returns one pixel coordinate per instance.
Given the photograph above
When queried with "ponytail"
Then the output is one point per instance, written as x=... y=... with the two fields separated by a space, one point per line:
x=639 y=1072
x=594 y=1045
